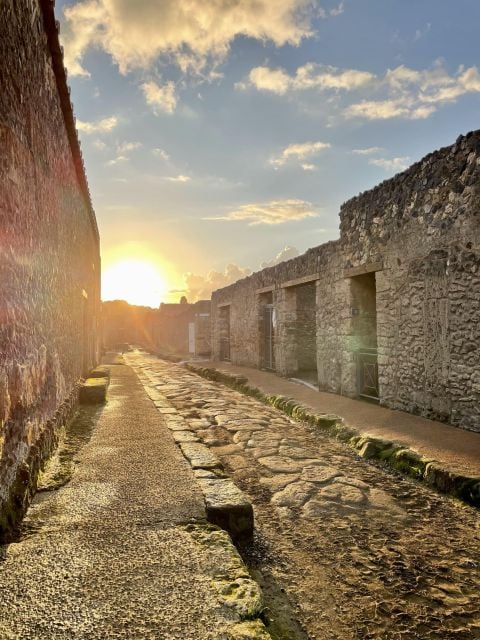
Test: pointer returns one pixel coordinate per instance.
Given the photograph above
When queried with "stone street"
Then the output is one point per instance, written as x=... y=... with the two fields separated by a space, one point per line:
x=351 y=549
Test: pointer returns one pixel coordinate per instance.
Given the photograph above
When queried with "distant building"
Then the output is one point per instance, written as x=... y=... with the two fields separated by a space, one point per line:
x=390 y=312
x=183 y=329
x=49 y=252
x=123 y=324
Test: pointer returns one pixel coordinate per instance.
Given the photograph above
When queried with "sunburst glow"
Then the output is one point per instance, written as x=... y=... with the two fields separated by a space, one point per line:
x=134 y=280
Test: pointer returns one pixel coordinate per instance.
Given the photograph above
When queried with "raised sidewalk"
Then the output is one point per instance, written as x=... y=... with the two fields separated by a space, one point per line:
x=123 y=549
x=455 y=450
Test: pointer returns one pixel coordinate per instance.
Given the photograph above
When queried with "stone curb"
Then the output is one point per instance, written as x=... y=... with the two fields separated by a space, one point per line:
x=94 y=390
x=225 y=504
x=235 y=587
x=396 y=455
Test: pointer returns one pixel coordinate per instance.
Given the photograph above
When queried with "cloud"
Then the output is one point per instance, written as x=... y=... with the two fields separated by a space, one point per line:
x=179 y=178
x=285 y=254
x=160 y=97
x=391 y=164
x=368 y=151
x=298 y=152
x=198 y=287
x=99 y=144
x=127 y=147
x=309 y=76
x=123 y=149
x=416 y=94
x=161 y=153
x=308 y=167
x=274 y=212
x=100 y=126
x=192 y=33
x=401 y=92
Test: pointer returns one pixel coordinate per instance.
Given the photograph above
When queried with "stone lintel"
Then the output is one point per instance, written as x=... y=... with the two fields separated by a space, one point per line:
x=265 y=289
x=224 y=304
x=368 y=267
x=299 y=281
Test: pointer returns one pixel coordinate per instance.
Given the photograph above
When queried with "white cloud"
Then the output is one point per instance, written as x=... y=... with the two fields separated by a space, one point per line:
x=368 y=151
x=123 y=149
x=99 y=144
x=309 y=76
x=193 y=33
x=160 y=97
x=127 y=147
x=274 y=212
x=287 y=253
x=160 y=153
x=299 y=151
x=308 y=167
x=391 y=164
x=198 y=287
x=100 y=126
x=179 y=178
x=398 y=93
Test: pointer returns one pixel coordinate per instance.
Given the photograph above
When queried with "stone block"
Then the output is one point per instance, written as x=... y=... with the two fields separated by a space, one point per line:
x=93 y=391
x=228 y=507
x=100 y=372
x=200 y=456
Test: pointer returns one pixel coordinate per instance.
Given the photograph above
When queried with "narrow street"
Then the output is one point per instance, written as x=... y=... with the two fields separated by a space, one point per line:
x=352 y=550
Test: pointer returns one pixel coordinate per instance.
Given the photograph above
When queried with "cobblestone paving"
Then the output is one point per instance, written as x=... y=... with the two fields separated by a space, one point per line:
x=361 y=552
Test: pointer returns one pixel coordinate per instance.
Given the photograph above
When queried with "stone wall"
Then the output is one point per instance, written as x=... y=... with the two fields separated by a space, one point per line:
x=49 y=251
x=416 y=240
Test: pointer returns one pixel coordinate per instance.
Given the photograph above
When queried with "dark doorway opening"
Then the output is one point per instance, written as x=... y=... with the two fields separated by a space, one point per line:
x=224 y=328
x=364 y=328
x=306 y=333
x=267 y=331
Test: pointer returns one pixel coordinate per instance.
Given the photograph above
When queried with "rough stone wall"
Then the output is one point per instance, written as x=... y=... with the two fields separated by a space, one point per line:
x=49 y=251
x=424 y=227
x=420 y=234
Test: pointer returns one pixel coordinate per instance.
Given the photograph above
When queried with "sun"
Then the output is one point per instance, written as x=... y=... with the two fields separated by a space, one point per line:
x=137 y=281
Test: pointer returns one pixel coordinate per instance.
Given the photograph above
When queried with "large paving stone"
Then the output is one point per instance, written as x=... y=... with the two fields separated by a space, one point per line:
x=199 y=456
x=93 y=391
x=227 y=506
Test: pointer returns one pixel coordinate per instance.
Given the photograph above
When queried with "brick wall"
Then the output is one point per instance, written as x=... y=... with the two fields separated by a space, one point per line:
x=49 y=251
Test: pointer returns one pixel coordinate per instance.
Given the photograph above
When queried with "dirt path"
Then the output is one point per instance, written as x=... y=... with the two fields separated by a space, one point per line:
x=360 y=552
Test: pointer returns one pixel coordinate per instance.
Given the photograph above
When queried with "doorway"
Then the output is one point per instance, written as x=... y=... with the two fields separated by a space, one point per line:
x=267 y=331
x=364 y=331
x=224 y=330
x=305 y=333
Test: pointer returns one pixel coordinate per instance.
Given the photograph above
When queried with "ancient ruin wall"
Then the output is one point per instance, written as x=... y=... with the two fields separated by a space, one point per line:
x=423 y=227
x=420 y=234
x=49 y=251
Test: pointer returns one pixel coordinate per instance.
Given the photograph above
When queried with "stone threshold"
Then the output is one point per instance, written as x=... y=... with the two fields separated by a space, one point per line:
x=401 y=458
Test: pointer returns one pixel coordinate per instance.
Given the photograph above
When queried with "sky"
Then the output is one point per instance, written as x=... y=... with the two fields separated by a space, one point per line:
x=221 y=136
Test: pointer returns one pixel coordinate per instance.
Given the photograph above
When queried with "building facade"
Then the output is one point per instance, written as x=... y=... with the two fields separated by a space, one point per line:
x=390 y=311
x=49 y=252
x=183 y=329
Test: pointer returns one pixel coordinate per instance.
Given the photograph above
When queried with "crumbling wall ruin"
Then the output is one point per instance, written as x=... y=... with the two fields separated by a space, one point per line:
x=400 y=288
x=49 y=252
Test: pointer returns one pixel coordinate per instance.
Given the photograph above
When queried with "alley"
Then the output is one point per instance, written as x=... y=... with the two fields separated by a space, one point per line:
x=359 y=551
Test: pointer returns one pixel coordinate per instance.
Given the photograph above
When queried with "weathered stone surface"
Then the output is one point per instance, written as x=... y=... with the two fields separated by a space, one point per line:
x=184 y=436
x=200 y=456
x=49 y=258
x=227 y=506
x=93 y=391
x=415 y=241
x=100 y=372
